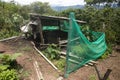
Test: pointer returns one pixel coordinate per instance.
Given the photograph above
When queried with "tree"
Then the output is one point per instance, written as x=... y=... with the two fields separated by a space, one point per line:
x=41 y=8
x=98 y=2
x=6 y=12
x=89 y=2
x=24 y=10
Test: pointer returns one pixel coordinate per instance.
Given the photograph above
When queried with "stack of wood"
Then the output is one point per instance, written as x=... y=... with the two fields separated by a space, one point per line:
x=62 y=43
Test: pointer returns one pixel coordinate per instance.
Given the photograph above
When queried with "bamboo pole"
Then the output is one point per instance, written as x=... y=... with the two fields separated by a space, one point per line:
x=8 y=38
x=39 y=74
x=45 y=58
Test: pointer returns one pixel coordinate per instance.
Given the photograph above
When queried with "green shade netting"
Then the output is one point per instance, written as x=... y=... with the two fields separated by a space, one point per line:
x=79 y=49
x=65 y=26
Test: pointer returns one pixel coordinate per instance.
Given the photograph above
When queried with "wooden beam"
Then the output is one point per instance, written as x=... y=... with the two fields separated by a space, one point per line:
x=54 y=17
x=38 y=72
x=63 y=42
x=13 y=37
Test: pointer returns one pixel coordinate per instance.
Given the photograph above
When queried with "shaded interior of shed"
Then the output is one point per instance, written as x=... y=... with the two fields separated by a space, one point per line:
x=51 y=29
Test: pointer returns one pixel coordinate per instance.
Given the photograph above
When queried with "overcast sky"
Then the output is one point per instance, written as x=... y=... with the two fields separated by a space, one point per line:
x=52 y=2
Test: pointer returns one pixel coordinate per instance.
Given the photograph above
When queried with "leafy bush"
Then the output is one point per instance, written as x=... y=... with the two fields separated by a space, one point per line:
x=5 y=33
x=60 y=64
x=7 y=59
x=52 y=52
x=3 y=67
x=108 y=51
x=8 y=63
x=9 y=75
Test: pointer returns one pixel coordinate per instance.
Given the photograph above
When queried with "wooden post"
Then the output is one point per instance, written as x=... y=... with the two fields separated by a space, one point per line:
x=98 y=74
x=107 y=74
x=59 y=32
x=40 y=30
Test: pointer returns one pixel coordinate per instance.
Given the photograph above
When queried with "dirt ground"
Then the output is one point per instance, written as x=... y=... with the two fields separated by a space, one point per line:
x=29 y=56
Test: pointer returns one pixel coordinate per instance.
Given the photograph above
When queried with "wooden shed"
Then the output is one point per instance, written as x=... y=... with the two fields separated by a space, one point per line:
x=49 y=28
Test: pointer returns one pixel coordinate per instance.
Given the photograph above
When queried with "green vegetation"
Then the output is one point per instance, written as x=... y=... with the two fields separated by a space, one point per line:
x=13 y=15
x=60 y=64
x=108 y=52
x=8 y=27
x=9 y=75
x=52 y=52
x=105 y=20
x=8 y=67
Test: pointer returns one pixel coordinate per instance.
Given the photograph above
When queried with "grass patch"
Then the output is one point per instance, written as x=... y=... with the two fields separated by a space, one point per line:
x=92 y=77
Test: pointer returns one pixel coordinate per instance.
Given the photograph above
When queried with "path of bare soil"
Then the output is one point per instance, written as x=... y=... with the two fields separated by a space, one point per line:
x=29 y=56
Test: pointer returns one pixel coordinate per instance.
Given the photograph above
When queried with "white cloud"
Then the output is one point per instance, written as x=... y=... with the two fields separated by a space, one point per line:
x=53 y=2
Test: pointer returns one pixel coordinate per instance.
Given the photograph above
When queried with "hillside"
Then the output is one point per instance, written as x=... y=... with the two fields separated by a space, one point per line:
x=61 y=8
